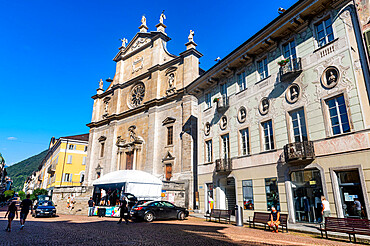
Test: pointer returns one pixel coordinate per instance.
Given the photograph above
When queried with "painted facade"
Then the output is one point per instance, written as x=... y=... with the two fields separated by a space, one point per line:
x=285 y=117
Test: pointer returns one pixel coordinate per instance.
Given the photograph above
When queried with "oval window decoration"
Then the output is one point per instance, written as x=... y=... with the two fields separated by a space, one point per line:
x=242 y=114
x=207 y=128
x=293 y=92
x=264 y=106
x=223 y=122
x=137 y=94
x=330 y=77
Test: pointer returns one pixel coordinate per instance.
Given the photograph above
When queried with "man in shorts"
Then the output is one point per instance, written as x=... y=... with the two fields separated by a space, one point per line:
x=26 y=204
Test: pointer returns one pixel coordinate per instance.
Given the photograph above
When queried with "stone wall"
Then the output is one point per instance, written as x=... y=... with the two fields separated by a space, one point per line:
x=81 y=196
x=175 y=192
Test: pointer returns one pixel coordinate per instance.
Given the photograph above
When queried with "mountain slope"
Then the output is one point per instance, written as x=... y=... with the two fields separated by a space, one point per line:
x=21 y=170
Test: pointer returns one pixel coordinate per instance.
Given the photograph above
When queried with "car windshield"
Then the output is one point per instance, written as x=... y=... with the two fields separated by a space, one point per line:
x=46 y=203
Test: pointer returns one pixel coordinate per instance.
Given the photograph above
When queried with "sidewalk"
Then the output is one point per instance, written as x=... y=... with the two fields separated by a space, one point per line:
x=300 y=227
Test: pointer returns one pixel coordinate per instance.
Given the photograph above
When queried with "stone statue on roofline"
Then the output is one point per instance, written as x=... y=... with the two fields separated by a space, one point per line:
x=162 y=17
x=101 y=83
x=143 y=20
x=191 y=36
x=124 y=42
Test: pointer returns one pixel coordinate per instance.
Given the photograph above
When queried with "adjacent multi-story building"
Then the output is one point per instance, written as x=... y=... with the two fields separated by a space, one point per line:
x=284 y=118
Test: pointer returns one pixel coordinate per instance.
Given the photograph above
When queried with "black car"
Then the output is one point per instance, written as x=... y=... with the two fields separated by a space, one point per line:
x=158 y=210
x=45 y=208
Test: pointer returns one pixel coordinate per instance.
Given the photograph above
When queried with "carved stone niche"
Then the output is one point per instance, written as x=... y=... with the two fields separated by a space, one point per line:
x=330 y=77
x=207 y=128
x=171 y=75
x=264 y=106
x=242 y=114
x=293 y=93
x=223 y=122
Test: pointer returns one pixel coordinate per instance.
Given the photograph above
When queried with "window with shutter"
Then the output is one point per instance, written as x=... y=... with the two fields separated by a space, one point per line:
x=69 y=161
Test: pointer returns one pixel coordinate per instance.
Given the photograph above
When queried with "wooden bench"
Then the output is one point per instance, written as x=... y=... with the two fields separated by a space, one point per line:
x=263 y=218
x=346 y=225
x=219 y=214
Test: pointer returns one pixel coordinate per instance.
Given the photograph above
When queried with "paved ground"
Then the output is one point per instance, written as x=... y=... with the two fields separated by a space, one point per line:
x=83 y=230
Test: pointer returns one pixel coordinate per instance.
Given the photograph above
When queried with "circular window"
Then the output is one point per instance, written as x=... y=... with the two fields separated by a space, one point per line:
x=242 y=114
x=293 y=92
x=207 y=128
x=264 y=106
x=137 y=94
x=330 y=77
x=223 y=122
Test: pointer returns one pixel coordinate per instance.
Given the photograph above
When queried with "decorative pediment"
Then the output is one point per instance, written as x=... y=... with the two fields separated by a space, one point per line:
x=168 y=157
x=168 y=120
x=102 y=138
x=139 y=41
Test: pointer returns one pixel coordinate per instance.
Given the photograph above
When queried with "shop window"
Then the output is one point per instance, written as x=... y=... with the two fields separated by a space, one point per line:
x=69 y=159
x=268 y=135
x=324 y=32
x=102 y=149
x=248 y=201
x=307 y=191
x=298 y=125
x=209 y=151
x=262 y=69
x=338 y=115
x=242 y=83
x=168 y=172
x=210 y=201
x=244 y=135
x=272 y=193
x=208 y=100
x=170 y=135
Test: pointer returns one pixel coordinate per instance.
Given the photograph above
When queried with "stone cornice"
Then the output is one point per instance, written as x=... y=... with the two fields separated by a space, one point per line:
x=140 y=109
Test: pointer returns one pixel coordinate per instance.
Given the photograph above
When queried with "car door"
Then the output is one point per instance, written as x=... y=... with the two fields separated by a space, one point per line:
x=169 y=210
x=157 y=209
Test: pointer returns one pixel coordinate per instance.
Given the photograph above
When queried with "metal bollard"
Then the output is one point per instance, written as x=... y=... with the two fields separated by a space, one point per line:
x=239 y=215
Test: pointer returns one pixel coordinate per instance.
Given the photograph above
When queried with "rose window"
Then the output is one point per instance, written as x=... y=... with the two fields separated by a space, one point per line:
x=137 y=95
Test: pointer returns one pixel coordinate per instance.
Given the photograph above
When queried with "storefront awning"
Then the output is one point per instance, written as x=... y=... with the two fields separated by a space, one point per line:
x=127 y=176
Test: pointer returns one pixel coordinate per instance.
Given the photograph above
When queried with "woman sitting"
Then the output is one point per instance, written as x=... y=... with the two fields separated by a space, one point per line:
x=274 y=220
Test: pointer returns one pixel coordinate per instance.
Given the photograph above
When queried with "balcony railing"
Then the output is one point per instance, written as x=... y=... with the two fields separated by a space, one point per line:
x=51 y=169
x=291 y=69
x=299 y=152
x=223 y=165
x=222 y=103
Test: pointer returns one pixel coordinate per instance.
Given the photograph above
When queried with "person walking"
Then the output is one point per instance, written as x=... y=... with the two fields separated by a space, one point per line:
x=91 y=206
x=123 y=211
x=26 y=204
x=12 y=212
x=274 y=220
x=325 y=209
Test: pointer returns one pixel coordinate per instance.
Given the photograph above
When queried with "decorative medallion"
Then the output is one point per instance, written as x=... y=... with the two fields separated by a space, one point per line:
x=264 y=106
x=330 y=77
x=140 y=42
x=293 y=93
x=242 y=114
x=223 y=122
x=137 y=94
x=207 y=128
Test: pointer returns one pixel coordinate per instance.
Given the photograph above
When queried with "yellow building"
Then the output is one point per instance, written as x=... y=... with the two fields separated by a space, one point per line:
x=65 y=162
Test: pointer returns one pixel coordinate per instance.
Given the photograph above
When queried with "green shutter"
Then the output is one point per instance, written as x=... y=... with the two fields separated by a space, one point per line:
x=367 y=40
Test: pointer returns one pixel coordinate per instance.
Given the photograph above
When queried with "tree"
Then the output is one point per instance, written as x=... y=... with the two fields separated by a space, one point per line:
x=39 y=191
x=22 y=195
x=8 y=194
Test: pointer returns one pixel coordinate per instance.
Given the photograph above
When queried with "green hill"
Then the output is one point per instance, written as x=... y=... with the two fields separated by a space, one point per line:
x=21 y=170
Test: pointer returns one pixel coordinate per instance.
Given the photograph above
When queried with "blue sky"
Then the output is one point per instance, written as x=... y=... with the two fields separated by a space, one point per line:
x=53 y=54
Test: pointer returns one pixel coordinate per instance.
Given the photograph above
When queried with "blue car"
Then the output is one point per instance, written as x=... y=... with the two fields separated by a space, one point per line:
x=45 y=208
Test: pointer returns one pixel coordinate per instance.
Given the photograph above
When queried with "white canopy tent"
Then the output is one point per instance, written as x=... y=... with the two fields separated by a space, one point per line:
x=141 y=184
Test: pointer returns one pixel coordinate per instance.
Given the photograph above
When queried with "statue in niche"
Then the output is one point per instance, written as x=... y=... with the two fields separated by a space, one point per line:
x=120 y=140
x=208 y=128
x=106 y=107
x=171 y=80
x=223 y=122
x=101 y=83
x=162 y=17
x=293 y=93
x=132 y=133
x=265 y=105
x=332 y=78
x=124 y=42
x=143 y=20
x=191 y=36
x=242 y=114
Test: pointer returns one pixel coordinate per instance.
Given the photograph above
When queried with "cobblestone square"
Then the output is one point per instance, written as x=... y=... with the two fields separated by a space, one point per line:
x=83 y=230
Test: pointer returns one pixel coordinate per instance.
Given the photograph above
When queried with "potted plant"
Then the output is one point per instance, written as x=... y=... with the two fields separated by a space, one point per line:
x=216 y=99
x=283 y=62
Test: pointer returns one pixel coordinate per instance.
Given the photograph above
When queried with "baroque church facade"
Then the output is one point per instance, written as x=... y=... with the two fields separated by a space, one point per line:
x=143 y=121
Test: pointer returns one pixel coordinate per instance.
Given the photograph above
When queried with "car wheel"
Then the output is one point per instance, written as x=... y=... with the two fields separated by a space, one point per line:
x=149 y=217
x=181 y=215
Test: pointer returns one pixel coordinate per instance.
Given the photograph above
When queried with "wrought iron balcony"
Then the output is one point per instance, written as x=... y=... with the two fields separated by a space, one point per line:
x=290 y=69
x=223 y=165
x=222 y=103
x=299 y=152
x=51 y=169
